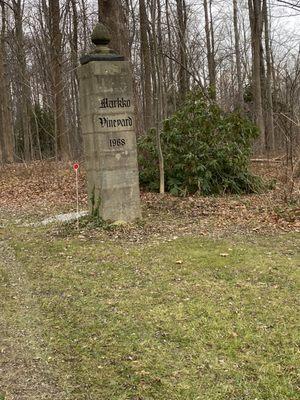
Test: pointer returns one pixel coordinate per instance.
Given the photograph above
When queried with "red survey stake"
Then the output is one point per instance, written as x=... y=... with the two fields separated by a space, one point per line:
x=75 y=167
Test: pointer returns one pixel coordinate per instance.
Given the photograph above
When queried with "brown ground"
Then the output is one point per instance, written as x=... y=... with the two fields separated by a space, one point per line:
x=45 y=188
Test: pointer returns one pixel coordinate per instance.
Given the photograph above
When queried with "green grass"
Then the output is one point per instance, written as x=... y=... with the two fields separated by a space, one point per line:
x=171 y=321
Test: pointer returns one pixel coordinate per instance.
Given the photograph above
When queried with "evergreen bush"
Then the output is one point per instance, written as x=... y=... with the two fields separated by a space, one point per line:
x=206 y=150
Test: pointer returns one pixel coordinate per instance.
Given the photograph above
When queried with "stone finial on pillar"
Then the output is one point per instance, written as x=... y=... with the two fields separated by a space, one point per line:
x=101 y=38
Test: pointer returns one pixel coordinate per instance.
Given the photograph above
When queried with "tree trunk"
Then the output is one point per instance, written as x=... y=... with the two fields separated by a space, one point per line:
x=86 y=39
x=157 y=87
x=62 y=145
x=238 y=56
x=24 y=109
x=160 y=104
x=182 y=28
x=255 y=15
x=171 y=67
x=210 y=52
x=77 y=139
x=111 y=13
x=6 y=127
x=270 y=138
x=146 y=66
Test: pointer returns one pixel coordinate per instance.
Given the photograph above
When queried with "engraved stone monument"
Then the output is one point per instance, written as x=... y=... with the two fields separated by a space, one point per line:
x=107 y=118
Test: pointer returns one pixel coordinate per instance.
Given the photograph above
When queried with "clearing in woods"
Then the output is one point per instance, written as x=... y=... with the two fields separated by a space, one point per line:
x=196 y=301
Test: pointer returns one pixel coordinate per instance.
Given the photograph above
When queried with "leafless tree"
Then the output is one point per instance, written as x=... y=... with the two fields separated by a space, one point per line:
x=233 y=51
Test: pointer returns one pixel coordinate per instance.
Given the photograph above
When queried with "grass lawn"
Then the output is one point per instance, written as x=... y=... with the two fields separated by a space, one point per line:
x=188 y=318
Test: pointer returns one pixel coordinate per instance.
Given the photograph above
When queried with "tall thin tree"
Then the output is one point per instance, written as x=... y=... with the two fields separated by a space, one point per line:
x=145 y=65
x=61 y=135
x=255 y=16
x=6 y=123
x=238 y=56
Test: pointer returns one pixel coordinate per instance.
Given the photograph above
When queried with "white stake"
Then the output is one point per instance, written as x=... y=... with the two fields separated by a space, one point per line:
x=75 y=167
x=77 y=199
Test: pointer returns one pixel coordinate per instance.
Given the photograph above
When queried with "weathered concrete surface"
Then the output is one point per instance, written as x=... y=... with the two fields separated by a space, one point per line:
x=107 y=117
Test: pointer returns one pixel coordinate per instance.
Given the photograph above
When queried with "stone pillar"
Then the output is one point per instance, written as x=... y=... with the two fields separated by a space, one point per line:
x=107 y=118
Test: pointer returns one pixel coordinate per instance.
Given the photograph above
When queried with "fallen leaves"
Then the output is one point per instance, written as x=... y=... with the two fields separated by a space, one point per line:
x=47 y=188
x=39 y=187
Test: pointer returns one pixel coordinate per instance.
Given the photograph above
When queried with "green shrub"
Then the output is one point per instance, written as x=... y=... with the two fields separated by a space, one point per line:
x=206 y=150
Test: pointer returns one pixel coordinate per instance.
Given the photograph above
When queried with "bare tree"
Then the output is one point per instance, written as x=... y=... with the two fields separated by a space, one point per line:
x=269 y=122
x=173 y=49
x=61 y=136
x=23 y=82
x=182 y=32
x=145 y=65
x=210 y=47
x=6 y=123
x=238 y=56
x=255 y=15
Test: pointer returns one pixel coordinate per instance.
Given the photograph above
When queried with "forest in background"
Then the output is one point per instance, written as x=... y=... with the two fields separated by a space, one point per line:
x=235 y=51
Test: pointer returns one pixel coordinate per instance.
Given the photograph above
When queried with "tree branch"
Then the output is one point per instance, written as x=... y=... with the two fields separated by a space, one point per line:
x=294 y=5
x=5 y=3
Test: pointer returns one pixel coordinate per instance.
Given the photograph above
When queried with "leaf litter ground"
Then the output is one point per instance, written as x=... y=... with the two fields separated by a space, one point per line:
x=41 y=190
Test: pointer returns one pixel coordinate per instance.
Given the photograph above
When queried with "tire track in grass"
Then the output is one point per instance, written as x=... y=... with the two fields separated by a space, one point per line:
x=24 y=370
